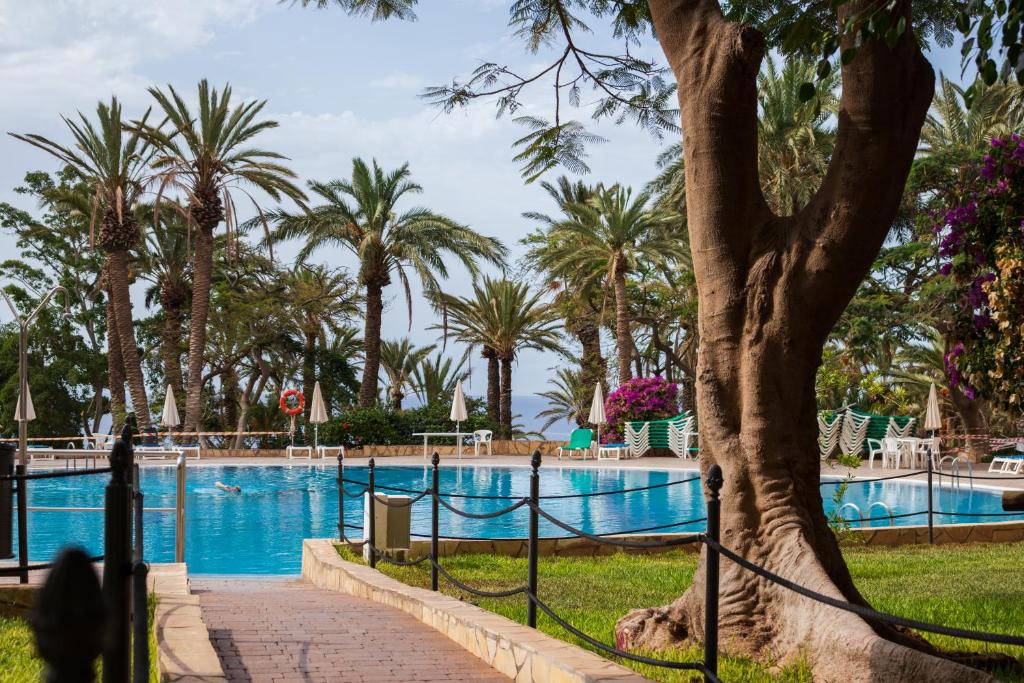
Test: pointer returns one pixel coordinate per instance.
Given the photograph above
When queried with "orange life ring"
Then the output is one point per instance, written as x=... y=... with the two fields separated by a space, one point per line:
x=299 y=398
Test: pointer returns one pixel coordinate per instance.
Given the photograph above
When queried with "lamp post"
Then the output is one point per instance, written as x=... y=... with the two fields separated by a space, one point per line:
x=23 y=323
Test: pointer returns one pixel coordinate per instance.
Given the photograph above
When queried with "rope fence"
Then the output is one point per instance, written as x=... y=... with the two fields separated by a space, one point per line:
x=708 y=538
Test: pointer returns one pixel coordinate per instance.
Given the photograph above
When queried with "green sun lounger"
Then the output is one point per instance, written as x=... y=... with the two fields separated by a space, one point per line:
x=581 y=442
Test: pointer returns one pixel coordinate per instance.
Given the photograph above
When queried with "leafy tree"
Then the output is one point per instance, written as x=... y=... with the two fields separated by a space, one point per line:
x=164 y=262
x=400 y=358
x=605 y=238
x=567 y=399
x=54 y=250
x=770 y=287
x=206 y=156
x=113 y=163
x=507 y=317
x=434 y=379
x=321 y=302
x=361 y=215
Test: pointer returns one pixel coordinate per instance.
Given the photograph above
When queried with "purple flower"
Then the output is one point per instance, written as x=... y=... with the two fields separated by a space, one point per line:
x=945 y=268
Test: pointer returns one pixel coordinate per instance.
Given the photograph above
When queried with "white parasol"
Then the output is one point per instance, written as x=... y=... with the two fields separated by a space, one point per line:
x=933 y=416
x=30 y=409
x=597 y=416
x=317 y=413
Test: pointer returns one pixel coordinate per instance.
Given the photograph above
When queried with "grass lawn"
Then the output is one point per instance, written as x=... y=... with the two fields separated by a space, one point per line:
x=20 y=664
x=978 y=586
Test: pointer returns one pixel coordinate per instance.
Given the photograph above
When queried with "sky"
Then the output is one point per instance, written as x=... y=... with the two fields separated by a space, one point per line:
x=339 y=87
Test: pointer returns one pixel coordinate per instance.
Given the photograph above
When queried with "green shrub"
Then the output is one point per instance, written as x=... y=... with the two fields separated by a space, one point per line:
x=381 y=426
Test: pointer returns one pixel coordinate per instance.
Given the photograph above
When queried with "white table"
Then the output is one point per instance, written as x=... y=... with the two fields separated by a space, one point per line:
x=459 y=436
x=307 y=449
x=321 y=451
x=909 y=446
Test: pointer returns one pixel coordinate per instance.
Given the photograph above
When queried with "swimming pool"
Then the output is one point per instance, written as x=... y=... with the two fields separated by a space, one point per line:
x=260 y=530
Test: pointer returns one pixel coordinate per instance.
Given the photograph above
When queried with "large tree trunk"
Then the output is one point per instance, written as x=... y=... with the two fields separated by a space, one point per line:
x=120 y=297
x=770 y=289
x=172 y=300
x=505 y=420
x=972 y=416
x=115 y=367
x=593 y=366
x=371 y=344
x=202 y=271
x=623 y=337
x=493 y=385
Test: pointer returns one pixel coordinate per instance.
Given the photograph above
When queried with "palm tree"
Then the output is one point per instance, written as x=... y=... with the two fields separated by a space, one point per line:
x=567 y=399
x=164 y=262
x=206 y=156
x=509 y=318
x=321 y=302
x=113 y=163
x=604 y=239
x=579 y=297
x=400 y=359
x=434 y=378
x=795 y=137
x=361 y=216
x=996 y=110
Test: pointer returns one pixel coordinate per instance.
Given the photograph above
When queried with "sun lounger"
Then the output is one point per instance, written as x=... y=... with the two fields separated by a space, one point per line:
x=581 y=442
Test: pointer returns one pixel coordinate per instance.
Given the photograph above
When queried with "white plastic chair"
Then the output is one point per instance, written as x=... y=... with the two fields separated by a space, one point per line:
x=891 y=452
x=482 y=437
x=875 y=448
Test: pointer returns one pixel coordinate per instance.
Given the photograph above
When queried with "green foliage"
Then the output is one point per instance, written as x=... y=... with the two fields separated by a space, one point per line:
x=377 y=425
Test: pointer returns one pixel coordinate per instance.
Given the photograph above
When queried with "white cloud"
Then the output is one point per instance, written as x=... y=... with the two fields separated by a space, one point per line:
x=398 y=81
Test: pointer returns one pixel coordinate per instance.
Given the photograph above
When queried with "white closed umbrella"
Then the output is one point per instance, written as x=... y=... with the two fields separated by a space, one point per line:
x=317 y=413
x=170 y=418
x=30 y=410
x=597 y=416
x=933 y=416
x=458 y=413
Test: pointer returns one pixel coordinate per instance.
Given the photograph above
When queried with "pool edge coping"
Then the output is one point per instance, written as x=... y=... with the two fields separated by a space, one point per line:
x=184 y=650
x=517 y=651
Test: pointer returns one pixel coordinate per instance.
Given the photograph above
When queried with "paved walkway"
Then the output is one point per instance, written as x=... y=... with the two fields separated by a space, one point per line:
x=285 y=630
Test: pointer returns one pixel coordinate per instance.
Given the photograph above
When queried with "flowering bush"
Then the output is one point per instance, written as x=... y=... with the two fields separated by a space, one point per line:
x=641 y=398
x=982 y=250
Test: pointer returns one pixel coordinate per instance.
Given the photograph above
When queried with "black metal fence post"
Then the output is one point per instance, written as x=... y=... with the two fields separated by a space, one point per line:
x=371 y=523
x=532 y=551
x=117 y=549
x=435 y=460
x=341 y=495
x=140 y=594
x=714 y=483
x=931 y=520
x=22 y=523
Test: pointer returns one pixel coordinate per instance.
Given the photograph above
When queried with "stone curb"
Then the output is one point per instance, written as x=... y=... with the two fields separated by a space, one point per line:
x=184 y=651
x=521 y=653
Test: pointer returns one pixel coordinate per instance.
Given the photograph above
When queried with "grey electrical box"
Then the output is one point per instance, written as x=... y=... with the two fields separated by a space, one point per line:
x=392 y=524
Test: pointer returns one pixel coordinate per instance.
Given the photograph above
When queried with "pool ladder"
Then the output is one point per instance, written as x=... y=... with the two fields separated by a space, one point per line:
x=860 y=515
x=954 y=471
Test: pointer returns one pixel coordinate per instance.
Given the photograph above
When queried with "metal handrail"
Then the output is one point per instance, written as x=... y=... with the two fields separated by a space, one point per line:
x=179 y=509
x=888 y=511
x=839 y=512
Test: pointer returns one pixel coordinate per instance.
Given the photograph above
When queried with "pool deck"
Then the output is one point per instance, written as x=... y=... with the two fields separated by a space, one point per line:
x=648 y=463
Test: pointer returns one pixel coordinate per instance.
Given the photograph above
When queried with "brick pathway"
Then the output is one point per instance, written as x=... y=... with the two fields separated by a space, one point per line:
x=285 y=630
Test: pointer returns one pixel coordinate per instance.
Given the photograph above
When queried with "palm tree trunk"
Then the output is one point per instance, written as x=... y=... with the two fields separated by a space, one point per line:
x=623 y=338
x=202 y=269
x=505 y=423
x=593 y=366
x=115 y=367
x=117 y=278
x=172 y=299
x=309 y=377
x=493 y=386
x=229 y=390
x=371 y=345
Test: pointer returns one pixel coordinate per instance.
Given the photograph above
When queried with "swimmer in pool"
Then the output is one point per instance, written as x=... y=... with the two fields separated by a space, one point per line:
x=224 y=487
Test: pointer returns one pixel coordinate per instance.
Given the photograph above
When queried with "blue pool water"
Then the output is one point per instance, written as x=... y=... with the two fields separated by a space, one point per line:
x=260 y=530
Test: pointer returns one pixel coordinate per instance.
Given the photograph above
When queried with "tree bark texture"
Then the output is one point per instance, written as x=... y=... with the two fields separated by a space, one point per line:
x=623 y=337
x=593 y=366
x=371 y=344
x=493 y=385
x=506 y=399
x=120 y=297
x=115 y=367
x=770 y=289
x=202 y=271
x=173 y=298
